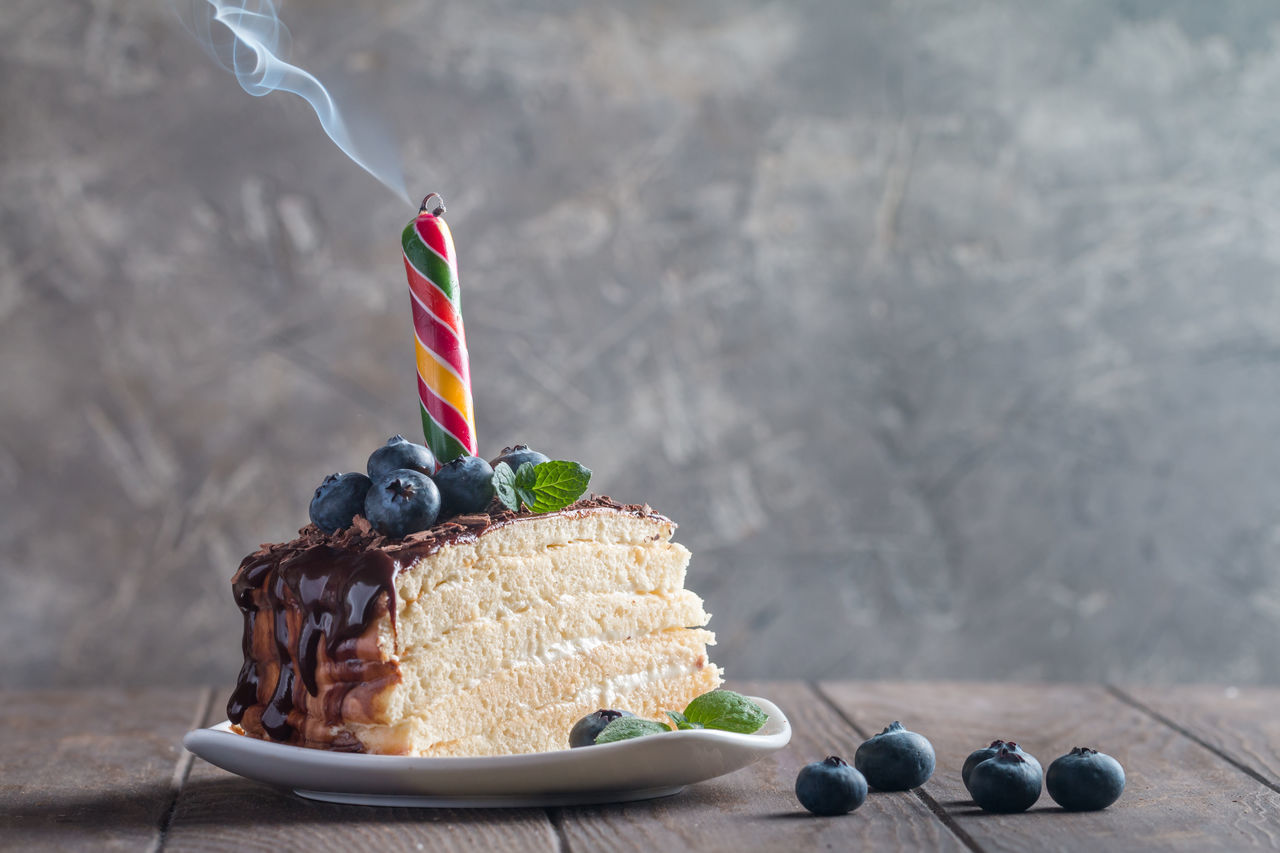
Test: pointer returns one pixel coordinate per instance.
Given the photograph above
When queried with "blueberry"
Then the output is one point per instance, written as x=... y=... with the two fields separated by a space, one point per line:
x=830 y=787
x=338 y=500
x=401 y=503
x=400 y=453
x=1085 y=780
x=465 y=484
x=980 y=755
x=517 y=456
x=895 y=759
x=1007 y=783
x=586 y=730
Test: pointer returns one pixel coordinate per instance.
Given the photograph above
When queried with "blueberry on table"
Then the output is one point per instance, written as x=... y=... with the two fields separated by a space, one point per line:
x=517 y=456
x=586 y=730
x=980 y=755
x=830 y=787
x=896 y=759
x=338 y=500
x=1085 y=780
x=465 y=484
x=1007 y=783
x=400 y=453
x=401 y=503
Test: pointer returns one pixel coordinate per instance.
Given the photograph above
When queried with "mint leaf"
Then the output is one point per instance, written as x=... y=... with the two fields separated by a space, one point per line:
x=545 y=487
x=727 y=711
x=523 y=483
x=552 y=485
x=625 y=728
x=681 y=722
x=504 y=486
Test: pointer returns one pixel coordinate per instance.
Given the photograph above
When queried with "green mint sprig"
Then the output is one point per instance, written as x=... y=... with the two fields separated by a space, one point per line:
x=727 y=711
x=625 y=728
x=682 y=722
x=545 y=487
x=720 y=709
x=504 y=486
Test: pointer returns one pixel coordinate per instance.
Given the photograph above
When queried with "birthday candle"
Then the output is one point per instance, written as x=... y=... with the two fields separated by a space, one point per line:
x=444 y=375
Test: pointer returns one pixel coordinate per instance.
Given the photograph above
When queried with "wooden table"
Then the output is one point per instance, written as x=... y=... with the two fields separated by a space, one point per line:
x=105 y=768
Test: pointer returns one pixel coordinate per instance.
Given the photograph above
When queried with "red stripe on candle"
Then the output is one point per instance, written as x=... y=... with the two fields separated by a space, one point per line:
x=432 y=296
x=447 y=416
x=431 y=234
x=441 y=340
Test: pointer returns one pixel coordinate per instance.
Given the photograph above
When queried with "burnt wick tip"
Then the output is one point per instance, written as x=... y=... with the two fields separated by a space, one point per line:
x=432 y=204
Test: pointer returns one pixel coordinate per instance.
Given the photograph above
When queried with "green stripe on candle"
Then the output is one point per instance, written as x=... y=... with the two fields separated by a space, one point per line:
x=445 y=447
x=429 y=263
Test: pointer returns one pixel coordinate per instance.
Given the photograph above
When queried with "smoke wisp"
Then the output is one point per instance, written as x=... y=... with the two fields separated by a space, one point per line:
x=247 y=38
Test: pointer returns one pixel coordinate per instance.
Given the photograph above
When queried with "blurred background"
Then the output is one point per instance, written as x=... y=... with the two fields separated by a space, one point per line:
x=949 y=333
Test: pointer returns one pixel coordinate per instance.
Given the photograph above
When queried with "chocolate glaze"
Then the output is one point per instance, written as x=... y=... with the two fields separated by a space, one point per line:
x=309 y=606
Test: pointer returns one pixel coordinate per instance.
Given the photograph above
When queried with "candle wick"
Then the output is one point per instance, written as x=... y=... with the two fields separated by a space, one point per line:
x=432 y=204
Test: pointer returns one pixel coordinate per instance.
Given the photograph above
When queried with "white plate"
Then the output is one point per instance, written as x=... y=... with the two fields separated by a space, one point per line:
x=637 y=769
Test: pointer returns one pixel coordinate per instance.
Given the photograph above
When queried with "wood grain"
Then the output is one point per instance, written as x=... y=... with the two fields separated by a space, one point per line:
x=1243 y=724
x=103 y=769
x=220 y=811
x=91 y=769
x=755 y=808
x=1179 y=795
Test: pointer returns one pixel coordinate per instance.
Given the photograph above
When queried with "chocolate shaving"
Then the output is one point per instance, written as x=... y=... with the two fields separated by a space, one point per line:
x=361 y=535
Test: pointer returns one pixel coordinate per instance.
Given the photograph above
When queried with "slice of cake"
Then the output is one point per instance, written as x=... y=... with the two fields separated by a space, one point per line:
x=488 y=633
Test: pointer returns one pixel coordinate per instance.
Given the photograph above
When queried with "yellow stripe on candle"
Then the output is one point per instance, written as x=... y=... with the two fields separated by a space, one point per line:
x=443 y=381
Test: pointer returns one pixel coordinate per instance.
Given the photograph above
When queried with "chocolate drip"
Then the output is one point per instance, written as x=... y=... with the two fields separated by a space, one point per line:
x=245 y=696
x=247 y=579
x=275 y=717
x=331 y=589
x=338 y=594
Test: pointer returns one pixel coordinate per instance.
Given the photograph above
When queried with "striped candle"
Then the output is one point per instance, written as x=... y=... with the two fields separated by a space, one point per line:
x=444 y=375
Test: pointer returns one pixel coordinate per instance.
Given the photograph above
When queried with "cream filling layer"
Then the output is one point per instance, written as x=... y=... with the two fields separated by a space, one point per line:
x=604 y=695
x=555 y=652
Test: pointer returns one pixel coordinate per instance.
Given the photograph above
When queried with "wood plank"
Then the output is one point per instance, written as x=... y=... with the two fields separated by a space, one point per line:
x=91 y=769
x=1179 y=795
x=756 y=809
x=1242 y=724
x=218 y=810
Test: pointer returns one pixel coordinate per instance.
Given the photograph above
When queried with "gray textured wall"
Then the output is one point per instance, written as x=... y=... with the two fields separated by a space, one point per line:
x=949 y=332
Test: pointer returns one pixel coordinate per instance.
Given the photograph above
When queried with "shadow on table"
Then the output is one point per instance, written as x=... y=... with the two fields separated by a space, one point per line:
x=730 y=795
x=973 y=811
x=139 y=809
x=229 y=801
x=222 y=802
